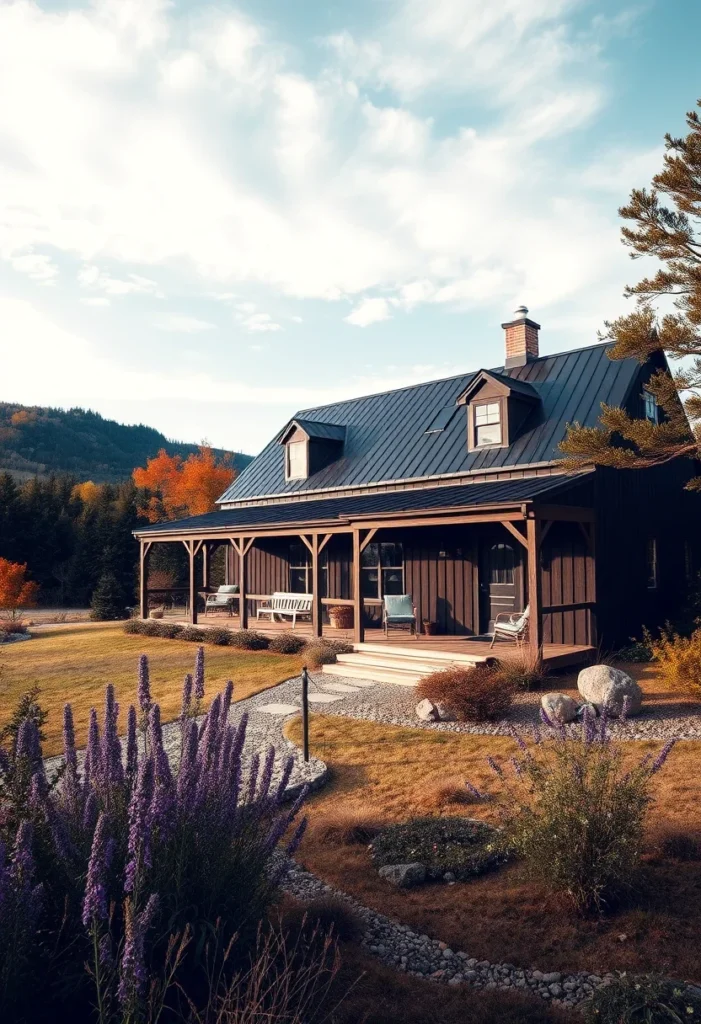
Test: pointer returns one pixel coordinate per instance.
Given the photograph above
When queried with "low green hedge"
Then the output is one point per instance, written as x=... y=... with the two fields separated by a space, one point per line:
x=643 y=1000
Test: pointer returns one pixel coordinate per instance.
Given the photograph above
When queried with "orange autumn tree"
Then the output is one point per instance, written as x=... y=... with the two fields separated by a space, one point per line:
x=171 y=487
x=16 y=591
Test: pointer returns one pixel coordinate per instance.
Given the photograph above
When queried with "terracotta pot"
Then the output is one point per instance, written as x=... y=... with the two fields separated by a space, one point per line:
x=341 y=616
x=430 y=628
x=156 y=613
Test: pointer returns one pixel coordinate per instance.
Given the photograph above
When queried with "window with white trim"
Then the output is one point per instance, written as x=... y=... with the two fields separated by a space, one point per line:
x=382 y=570
x=300 y=569
x=487 y=423
x=296 y=460
x=652 y=563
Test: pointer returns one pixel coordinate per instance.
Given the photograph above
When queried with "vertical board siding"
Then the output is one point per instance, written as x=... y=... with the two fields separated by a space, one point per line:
x=567 y=579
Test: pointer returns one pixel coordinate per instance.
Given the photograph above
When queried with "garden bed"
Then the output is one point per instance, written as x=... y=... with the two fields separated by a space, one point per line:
x=391 y=774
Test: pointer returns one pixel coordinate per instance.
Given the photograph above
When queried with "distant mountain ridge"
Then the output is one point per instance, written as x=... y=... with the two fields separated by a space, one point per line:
x=39 y=441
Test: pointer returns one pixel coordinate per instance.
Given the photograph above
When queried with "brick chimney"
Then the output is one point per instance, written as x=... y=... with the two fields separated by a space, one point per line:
x=521 y=339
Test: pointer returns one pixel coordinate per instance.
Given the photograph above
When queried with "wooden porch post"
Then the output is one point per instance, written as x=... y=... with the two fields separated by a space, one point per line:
x=317 y=608
x=205 y=565
x=535 y=624
x=359 y=625
x=242 y=546
x=145 y=547
x=190 y=545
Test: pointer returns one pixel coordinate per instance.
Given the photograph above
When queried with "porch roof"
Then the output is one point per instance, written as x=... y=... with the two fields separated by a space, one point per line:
x=340 y=510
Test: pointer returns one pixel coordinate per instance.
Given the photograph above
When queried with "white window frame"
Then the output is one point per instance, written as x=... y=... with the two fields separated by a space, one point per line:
x=304 y=447
x=489 y=421
x=650 y=406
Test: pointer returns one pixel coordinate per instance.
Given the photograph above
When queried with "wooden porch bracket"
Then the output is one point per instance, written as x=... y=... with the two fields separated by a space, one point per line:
x=545 y=529
x=325 y=541
x=368 y=537
x=515 y=532
x=242 y=545
x=317 y=610
x=307 y=542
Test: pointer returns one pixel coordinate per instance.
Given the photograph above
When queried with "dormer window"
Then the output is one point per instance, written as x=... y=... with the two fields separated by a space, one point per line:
x=651 y=410
x=310 y=446
x=498 y=409
x=297 y=460
x=487 y=425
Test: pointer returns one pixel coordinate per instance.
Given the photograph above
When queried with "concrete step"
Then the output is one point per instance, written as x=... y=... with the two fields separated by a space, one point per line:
x=378 y=675
x=423 y=654
x=413 y=665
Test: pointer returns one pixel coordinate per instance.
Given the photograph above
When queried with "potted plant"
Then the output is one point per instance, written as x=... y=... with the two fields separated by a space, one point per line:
x=430 y=627
x=341 y=616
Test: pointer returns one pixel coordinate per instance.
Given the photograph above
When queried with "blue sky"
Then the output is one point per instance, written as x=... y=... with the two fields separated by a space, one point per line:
x=213 y=215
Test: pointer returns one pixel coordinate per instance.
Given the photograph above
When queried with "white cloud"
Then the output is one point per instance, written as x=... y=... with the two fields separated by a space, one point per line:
x=91 y=276
x=37 y=266
x=180 y=324
x=259 y=323
x=369 y=311
x=95 y=300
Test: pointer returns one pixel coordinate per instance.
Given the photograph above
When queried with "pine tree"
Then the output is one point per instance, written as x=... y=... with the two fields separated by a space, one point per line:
x=108 y=599
x=666 y=225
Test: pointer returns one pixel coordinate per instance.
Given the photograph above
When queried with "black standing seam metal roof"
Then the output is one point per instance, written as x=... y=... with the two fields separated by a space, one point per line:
x=314 y=428
x=386 y=438
x=424 y=499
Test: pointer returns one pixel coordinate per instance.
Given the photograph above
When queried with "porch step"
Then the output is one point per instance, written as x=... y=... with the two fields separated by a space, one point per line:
x=424 y=655
x=371 y=672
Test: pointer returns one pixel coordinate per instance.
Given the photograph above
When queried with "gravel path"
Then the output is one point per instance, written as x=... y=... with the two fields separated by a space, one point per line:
x=405 y=950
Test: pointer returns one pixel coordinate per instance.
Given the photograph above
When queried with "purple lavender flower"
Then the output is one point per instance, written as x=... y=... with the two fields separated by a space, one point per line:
x=226 y=701
x=662 y=756
x=22 y=856
x=603 y=723
x=92 y=753
x=144 y=685
x=187 y=697
x=588 y=726
x=473 y=790
x=132 y=743
x=297 y=837
x=546 y=719
x=267 y=775
x=496 y=768
x=253 y=770
x=199 y=674
x=111 y=748
x=105 y=951
x=287 y=767
x=90 y=812
x=28 y=746
x=188 y=771
x=517 y=766
x=133 y=973
x=138 y=846
x=95 y=901
x=69 y=751
x=625 y=708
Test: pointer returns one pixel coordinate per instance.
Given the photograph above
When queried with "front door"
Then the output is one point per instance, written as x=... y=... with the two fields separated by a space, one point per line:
x=501 y=580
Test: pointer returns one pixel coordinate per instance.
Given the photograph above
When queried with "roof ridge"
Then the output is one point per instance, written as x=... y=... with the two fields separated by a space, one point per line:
x=453 y=376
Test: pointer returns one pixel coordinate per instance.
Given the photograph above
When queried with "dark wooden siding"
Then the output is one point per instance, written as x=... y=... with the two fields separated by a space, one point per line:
x=568 y=586
x=440 y=574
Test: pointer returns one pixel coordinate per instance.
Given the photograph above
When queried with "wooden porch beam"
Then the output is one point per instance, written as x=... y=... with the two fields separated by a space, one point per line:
x=324 y=542
x=358 y=624
x=515 y=532
x=368 y=537
x=307 y=542
x=535 y=623
x=565 y=513
x=317 y=610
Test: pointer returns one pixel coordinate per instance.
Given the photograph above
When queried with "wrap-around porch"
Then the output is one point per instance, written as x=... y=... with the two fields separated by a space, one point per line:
x=461 y=567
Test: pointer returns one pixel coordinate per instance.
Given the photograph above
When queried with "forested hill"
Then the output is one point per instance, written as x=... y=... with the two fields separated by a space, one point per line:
x=35 y=440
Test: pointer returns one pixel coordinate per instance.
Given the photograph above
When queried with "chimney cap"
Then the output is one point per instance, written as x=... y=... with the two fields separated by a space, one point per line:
x=521 y=313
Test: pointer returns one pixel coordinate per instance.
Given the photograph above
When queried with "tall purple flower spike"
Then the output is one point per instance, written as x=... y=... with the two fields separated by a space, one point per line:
x=92 y=753
x=138 y=843
x=95 y=901
x=133 y=972
x=144 y=685
x=662 y=756
x=132 y=743
x=199 y=674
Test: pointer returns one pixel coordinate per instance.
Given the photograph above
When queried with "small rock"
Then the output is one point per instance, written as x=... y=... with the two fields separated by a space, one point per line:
x=404 y=876
x=427 y=711
x=449 y=876
x=559 y=707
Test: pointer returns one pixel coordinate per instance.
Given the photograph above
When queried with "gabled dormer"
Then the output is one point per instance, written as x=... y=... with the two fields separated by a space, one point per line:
x=497 y=408
x=310 y=446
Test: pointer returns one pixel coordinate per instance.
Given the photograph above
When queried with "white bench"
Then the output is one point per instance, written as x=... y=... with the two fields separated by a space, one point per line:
x=289 y=606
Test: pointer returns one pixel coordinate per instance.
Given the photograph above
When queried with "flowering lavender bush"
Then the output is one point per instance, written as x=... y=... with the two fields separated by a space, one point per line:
x=574 y=812
x=102 y=865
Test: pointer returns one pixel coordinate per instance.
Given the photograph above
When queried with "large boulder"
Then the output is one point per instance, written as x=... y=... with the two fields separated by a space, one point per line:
x=559 y=707
x=607 y=687
x=404 y=876
x=427 y=711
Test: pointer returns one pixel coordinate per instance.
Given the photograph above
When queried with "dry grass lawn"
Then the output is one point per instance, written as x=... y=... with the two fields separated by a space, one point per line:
x=74 y=663
x=393 y=774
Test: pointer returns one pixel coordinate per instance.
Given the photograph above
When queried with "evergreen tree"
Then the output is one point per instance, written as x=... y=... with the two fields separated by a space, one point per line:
x=665 y=225
x=108 y=599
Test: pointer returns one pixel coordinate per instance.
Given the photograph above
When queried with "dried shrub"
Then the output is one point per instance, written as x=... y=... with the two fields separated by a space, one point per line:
x=461 y=845
x=134 y=626
x=442 y=793
x=479 y=694
x=325 y=652
x=643 y=1000
x=524 y=670
x=330 y=916
x=681 y=846
x=286 y=643
x=10 y=626
x=249 y=640
x=575 y=813
x=219 y=635
x=346 y=827
x=190 y=633
x=635 y=652
x=170 y=630
x=678 y=659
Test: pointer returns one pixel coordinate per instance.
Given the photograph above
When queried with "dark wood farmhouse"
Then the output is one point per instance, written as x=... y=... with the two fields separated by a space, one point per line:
x=452 y=492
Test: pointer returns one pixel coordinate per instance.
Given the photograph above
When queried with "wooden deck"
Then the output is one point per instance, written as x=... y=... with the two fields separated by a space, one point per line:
x=555 y=656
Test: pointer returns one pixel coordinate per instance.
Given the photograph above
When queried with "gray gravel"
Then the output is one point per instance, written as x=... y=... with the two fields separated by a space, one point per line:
x=396 y=945
x=391 y=704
